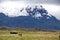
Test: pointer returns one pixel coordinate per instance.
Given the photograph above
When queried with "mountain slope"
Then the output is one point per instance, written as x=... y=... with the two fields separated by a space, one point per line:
x=37 y=18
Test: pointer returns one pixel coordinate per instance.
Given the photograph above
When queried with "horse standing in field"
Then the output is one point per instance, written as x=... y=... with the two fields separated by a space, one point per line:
x=13 y=32
x=20 y=34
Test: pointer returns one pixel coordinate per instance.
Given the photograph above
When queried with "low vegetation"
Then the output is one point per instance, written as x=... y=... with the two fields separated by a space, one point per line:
x=29 y=35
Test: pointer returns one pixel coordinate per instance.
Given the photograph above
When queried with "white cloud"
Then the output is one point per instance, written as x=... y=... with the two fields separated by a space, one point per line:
x=12 y=8
x=53 y=10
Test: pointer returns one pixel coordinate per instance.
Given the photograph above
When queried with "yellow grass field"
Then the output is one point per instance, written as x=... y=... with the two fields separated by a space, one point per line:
x=29 y=35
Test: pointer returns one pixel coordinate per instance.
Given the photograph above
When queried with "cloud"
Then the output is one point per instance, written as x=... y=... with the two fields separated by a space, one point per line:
x=13 y=8
x=57 y=2
x=38 y=1
x=8 y=8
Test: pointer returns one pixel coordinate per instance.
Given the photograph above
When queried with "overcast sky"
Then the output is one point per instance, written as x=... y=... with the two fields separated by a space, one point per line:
x=53 y=6
x=38 y=1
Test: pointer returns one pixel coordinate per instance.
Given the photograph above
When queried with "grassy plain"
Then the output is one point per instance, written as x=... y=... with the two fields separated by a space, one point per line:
x=29 y=35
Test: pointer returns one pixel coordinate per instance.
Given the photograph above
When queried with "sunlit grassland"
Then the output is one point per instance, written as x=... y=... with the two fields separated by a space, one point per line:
x=29 y=35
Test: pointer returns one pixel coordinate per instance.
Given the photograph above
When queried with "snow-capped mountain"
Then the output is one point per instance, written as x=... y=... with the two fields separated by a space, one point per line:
x=37 y=18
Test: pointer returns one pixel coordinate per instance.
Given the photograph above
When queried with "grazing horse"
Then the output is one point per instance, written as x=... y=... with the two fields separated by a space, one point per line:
x=13 y=32
x=20 y=34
